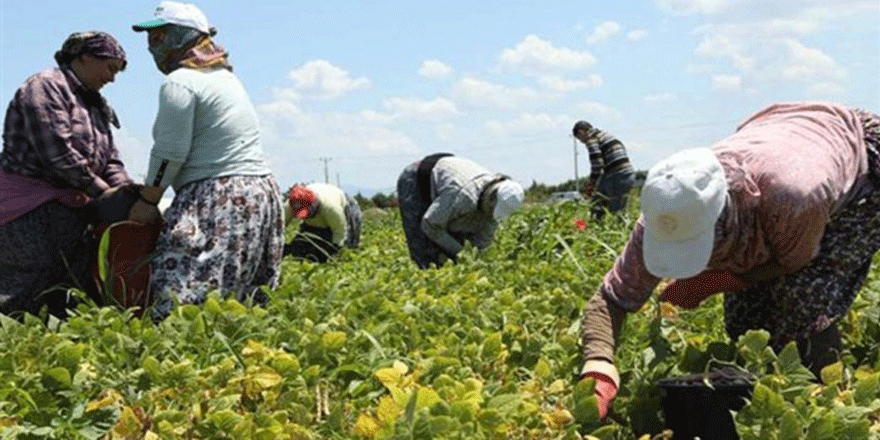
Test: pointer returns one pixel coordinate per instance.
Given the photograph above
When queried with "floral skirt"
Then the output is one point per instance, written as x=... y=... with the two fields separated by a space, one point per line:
x=806 y=302
x=223 y=234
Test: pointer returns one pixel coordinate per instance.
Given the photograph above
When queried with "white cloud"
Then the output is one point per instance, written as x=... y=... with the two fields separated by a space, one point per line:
x=434 y=69
x=726 y=82
x=536 y=56
x=603 y=31
x=595 y=110
x=826 y=89
x=293 y=142
x=373 y=116
x=760 y=54
x=687 y=7
x=808 y=64
x=528 y=123
x=787 y=12
x=483 y=94
x=661 y=97
x=445 y=132
x=726 y=46
x=322 y=80
x=560 y=84
x=636 y=35
x=404 y=107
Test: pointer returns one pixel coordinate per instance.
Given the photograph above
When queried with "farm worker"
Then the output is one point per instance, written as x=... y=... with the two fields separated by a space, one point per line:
x=329 y=218
x=782 y=216
x=446 y=200
x=58 y=153
x=224 y=229
x=611 y=173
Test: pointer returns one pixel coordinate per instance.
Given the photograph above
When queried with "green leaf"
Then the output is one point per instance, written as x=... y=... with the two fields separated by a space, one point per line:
x=767 y=402
x=57 y=378
x=867 y=389
x=505 y=403
x=333 y=340
x=789 y=358
x=754 y=340
x=832 y=374
x=822 y=428
x=224 y=419
x=586 y=409
x=103 y=255
x=427 y=398
x=790 y=427
x=388 y=376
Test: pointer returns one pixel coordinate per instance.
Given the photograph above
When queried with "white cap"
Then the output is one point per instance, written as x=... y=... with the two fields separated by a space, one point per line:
x=183 y=14
x=508 y=198
x=682 y=198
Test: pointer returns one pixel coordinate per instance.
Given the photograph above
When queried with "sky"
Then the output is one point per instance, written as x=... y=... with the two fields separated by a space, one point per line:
x=352 y=92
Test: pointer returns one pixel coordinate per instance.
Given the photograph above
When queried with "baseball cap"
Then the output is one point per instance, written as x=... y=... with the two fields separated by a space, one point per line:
x=508 y=198
x=182 y=14
x=682 y=198
x=301 y=200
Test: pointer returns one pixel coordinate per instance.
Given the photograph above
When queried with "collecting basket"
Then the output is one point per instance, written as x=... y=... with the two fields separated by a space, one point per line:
x=692 y=408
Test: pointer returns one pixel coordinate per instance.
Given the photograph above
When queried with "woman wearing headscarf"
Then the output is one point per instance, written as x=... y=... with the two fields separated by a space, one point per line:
x=58 y=153
x=224 y=229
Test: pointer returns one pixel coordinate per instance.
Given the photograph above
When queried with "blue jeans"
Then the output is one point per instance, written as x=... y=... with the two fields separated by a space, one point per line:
x=611 y=192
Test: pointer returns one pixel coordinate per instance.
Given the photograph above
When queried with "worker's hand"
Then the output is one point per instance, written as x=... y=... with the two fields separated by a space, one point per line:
x=588 y=189
x=144 y=212
x=688 y=293
x=607 y=380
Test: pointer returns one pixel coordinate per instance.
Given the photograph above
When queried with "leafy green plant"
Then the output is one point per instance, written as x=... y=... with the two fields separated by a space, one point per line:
x=368 y=346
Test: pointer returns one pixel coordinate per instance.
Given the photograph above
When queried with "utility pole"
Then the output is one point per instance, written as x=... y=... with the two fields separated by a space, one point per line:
x=326 y=173
x=575 y=143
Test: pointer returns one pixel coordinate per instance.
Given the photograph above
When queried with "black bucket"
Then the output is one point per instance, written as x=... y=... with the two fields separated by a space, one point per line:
x=694 y=409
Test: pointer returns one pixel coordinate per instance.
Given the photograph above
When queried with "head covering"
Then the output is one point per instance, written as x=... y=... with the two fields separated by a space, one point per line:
x=508 y=198
x=581 y=125
x=181 y=14
x=95 y=43
x=188 y=41
x=682 y=198
x=303 y=202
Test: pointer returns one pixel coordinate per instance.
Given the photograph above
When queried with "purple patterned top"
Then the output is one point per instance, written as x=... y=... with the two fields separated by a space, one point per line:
x=57 y=130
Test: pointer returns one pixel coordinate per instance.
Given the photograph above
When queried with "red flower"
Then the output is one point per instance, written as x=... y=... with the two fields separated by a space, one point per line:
x=580 y=224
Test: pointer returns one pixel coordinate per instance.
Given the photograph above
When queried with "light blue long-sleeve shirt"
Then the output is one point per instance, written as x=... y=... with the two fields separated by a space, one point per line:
x=206 y=127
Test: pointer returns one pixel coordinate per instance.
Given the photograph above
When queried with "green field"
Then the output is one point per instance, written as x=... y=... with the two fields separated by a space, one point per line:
x=367 y=346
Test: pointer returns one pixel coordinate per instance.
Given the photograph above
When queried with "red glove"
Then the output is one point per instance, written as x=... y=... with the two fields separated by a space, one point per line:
x=688 y=293
x=605 y=392
x=606 y=379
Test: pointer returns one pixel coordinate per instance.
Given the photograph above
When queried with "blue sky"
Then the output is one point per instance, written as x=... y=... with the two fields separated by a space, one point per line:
x=376 y=85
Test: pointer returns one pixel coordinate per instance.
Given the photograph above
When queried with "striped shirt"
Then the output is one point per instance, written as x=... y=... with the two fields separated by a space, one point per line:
x=58 y=131
x=790 y=168
x=607 y=154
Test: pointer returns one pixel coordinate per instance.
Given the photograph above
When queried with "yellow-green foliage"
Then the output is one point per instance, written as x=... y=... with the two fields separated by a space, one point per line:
x=368 y=346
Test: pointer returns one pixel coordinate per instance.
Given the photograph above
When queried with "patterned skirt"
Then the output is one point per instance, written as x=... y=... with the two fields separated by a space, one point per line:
x=806 y=302
x=41 y=253
x=223 y=234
